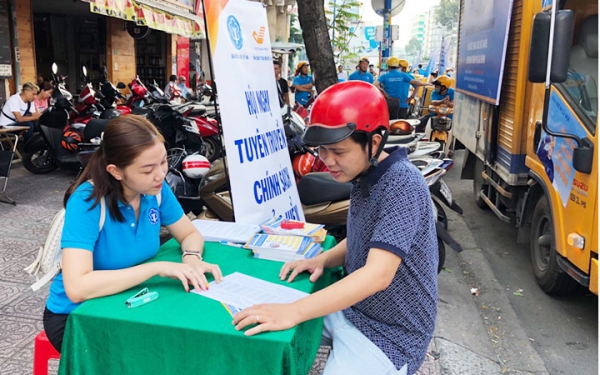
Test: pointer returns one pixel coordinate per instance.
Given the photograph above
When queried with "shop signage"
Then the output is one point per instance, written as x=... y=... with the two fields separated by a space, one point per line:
x=144 y=15
x=262 y=180
x=5 y=51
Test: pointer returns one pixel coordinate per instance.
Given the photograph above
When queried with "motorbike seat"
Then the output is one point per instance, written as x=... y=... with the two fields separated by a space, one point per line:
x=94 y=128
x=198 y=110
x=320 y=187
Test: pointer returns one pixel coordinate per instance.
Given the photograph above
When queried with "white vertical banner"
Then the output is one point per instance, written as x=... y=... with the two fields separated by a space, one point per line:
x=260 y=170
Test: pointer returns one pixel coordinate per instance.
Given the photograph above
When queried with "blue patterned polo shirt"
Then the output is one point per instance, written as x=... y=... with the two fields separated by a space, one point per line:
x=396 y=216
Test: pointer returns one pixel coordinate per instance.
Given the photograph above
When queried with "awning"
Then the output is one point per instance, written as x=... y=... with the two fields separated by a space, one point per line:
x=285 y=48
x=153 y=14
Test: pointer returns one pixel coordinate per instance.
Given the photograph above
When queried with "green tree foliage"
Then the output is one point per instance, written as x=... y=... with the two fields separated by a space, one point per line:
x=343 y=18
x=413 y=47
x=446 y=14
x=295 y=32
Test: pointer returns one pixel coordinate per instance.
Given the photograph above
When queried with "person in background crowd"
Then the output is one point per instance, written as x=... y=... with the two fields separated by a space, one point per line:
x=372 y=71
x=442 y=95
x=379 y=318
x=172 y=92
x=395 y=85
x=361 y=73
x=283 y=90
x=342 y=75
x=182 y=86
x=303 y=84
x=19 y=110
x=421 y=70
x=42 y=98
x=128 y=172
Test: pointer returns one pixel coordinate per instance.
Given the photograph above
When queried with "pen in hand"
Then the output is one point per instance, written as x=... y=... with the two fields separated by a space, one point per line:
x=232 y=244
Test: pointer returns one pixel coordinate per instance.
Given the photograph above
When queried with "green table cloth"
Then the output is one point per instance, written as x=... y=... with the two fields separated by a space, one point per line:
x=185 y=333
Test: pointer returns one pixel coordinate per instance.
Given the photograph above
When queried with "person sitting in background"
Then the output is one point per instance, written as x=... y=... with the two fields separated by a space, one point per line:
x=182 y=86
x=42 y=98
x=19 y=110
x=442 y=95
x=128 y=173
x=172 y=92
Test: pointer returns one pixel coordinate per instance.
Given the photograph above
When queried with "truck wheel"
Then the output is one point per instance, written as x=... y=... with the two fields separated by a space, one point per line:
x=441 y=254
x=40 y=160
x=551 y=278
x=479 y=186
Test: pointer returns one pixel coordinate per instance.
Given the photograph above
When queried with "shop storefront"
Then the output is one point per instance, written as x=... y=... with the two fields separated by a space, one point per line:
x=129 y=37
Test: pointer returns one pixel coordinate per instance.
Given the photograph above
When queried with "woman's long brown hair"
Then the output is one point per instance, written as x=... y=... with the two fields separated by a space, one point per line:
x=124 y=139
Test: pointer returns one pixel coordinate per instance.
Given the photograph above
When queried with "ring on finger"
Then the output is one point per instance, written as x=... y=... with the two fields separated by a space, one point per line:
x=257 y=319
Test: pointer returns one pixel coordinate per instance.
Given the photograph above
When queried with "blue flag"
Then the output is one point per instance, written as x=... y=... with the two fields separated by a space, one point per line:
x=444 y=54
x=432 y=63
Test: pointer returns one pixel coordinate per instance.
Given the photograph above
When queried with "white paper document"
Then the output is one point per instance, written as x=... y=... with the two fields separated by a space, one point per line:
x=215 y=231
x=243 y=291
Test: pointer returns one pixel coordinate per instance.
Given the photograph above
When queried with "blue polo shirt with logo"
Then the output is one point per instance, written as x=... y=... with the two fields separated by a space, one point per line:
x=437 y=96
x=360 y=76
x=397 y=216
x=302 y=97
x=120 y=244
x=396 y=84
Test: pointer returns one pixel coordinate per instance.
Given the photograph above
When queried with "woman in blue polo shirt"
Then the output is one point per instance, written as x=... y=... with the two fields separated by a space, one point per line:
x=380 y=317
x=128 y=172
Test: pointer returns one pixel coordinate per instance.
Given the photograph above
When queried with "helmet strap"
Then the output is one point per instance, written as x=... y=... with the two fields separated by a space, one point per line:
x=374 y=160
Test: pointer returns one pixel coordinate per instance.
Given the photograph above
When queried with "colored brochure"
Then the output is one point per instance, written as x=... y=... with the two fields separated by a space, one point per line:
x=283 y=248
x=216 y=231
x=238 y=291
x=315 y=231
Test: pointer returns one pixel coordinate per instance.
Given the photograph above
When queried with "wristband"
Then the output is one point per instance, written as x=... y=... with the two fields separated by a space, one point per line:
x=191 y=252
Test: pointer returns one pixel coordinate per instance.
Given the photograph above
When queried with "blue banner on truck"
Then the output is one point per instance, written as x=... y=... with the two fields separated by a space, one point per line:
x=483 y=39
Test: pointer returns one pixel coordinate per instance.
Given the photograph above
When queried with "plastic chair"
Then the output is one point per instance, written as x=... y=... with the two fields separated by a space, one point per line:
x=6 y=159
x=43 y=351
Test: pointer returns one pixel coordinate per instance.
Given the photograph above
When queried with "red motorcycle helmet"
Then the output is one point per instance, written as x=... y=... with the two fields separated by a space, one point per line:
x=139 y=90
x=343 y=109
x=303 y=164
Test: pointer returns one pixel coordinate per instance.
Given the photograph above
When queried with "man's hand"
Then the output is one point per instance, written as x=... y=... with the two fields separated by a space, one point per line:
x=314 y=266
x=268 y=317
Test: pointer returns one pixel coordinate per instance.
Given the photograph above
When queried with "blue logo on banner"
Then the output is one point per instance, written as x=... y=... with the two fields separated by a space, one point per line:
x=153 y=216
x=235 y=32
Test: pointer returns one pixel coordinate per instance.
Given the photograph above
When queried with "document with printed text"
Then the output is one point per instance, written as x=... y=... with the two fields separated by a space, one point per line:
x=241 y=291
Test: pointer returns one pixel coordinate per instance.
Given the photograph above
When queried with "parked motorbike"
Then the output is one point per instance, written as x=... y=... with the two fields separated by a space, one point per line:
x=48 y=149
x=441 y=126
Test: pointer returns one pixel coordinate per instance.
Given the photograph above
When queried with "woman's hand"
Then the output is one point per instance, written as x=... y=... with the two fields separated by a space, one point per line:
x=314 y=266
x=268 y=317
x=191 y=272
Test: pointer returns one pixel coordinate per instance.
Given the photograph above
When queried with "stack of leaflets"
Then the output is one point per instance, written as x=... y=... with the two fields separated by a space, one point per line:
x=283 y=248
x=279 y=225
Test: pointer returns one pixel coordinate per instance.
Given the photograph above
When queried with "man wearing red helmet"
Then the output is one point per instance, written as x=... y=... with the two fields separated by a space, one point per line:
x=380 y=317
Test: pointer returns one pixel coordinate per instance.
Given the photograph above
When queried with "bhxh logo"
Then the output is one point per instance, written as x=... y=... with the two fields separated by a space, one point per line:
x=235 y=32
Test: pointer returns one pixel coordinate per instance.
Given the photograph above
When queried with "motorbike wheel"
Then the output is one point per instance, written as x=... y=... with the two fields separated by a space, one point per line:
x=213 y=148
x=40 y=160
x=441 y=254
x=551 y=278
x=479 y=186
x=441 y=214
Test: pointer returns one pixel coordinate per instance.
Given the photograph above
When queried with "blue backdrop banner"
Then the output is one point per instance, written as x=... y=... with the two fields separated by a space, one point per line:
x=483 y=39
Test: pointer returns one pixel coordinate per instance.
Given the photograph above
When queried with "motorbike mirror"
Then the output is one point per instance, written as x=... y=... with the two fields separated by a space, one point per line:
x=54 y=68
x=121 y=85
x=84 y=69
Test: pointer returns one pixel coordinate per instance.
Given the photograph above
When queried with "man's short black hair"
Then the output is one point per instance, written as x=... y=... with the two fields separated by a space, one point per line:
x=420 y=66
x=275 y=62
x=371 y=66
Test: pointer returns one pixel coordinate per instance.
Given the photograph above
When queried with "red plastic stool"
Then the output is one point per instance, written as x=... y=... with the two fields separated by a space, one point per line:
x=43 y=351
